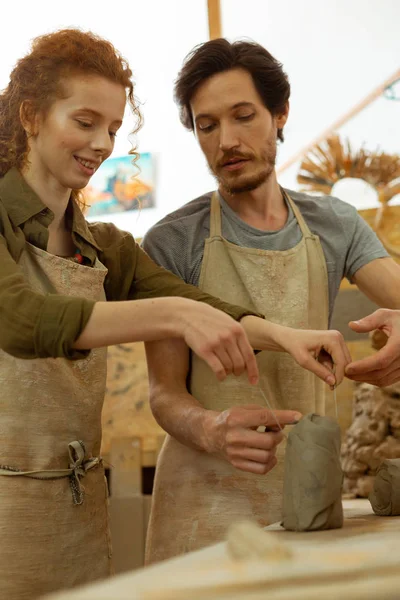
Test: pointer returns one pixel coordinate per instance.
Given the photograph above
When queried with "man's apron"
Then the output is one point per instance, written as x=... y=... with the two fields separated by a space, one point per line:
x=198 y=495
x=54 y=527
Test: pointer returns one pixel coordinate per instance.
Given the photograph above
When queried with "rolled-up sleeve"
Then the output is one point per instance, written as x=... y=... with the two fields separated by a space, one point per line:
x=363 y=244
x=34 y=325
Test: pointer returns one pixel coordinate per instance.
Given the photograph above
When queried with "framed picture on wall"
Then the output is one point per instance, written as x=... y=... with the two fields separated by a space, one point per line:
x=119 y=186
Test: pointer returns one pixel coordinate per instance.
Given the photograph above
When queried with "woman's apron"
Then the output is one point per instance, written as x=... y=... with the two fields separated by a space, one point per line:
x=198 y=495
x=54 y=528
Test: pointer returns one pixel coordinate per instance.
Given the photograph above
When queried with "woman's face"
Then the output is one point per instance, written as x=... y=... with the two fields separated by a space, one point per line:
x=77 y=134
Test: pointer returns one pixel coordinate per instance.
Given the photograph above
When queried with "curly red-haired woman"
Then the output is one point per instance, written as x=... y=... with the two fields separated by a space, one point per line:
x=58 y=120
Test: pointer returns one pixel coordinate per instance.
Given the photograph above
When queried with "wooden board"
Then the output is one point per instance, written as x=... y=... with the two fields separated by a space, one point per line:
x=359 y=562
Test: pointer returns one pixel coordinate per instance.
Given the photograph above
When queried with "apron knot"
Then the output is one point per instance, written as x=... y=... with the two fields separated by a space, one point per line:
x=79 y=465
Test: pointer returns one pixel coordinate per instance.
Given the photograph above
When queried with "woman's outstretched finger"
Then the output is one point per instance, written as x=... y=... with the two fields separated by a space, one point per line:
x=250 y=361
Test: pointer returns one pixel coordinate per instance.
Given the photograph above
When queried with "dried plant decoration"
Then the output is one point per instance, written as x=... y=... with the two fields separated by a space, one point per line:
x=334 y=159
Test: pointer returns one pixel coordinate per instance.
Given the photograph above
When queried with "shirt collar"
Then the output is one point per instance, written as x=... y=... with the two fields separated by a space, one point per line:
x=79 y=225
x=22 y=203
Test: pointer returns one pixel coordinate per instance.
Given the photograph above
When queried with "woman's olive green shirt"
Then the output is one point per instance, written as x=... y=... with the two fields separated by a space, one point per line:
x=33 y=325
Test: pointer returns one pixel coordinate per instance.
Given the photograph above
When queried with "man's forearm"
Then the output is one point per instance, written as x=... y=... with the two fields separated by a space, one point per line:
x=379 y=280
x=231 y=434
x=183 y=417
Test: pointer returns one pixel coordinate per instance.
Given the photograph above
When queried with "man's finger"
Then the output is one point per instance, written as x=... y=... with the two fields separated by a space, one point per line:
x=253 y=454
x=376 y=377
x=266 y=417
x=254 y=467
x=252 y=407
x=249 y=438
x=393 y=377
x=378 y=361
x=378 y=374
x=373 y=321
x=284 y=417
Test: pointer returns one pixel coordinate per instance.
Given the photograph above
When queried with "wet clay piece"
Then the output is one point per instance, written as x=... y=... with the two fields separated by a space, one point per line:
x=313 y=476
x=385 y=497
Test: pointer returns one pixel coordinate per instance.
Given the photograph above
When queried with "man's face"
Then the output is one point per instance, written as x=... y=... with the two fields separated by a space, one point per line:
x=236 y=132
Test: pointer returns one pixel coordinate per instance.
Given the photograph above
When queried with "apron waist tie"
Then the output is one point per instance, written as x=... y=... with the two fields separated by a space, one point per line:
x=78 y=467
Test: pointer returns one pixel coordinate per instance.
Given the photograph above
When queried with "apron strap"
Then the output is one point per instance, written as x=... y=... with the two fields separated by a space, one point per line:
x=215 y=216
x=78 y=467
x=300 y=219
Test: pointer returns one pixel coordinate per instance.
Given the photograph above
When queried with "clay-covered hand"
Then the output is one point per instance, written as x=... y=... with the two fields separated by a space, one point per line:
x=232 y=434
x=383 y=368
x=320 y=352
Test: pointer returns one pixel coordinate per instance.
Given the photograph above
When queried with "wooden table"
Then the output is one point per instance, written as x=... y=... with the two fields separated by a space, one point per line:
x=359 y=562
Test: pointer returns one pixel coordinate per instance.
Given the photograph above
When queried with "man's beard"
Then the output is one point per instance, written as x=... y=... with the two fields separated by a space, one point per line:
x=251 y=182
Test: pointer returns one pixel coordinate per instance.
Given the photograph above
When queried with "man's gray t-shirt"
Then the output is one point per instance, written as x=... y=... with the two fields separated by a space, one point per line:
x=177 y=241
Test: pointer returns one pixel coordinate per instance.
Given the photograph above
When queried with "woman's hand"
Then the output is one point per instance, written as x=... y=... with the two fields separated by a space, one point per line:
x=218 y=339
x=322 y=352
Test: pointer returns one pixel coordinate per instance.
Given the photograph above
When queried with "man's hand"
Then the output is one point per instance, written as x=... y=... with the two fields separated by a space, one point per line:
x=383 y=368
x=232 y=435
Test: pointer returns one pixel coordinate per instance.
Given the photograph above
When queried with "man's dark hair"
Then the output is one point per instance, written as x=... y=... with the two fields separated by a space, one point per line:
x=217 y=56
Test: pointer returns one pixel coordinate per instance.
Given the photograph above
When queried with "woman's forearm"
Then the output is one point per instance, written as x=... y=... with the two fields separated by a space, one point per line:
x=160 y=318
x=132 y=321
x=264 y=335
x=214 y=336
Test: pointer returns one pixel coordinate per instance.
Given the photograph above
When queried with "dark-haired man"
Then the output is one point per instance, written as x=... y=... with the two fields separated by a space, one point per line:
x=282 y=253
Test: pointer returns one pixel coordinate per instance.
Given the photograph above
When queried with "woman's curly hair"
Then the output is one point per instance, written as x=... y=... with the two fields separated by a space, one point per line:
x=38 y=77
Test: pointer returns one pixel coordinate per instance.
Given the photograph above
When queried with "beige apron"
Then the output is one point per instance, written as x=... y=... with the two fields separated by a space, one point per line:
x=54 y=532
x=197 y=495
